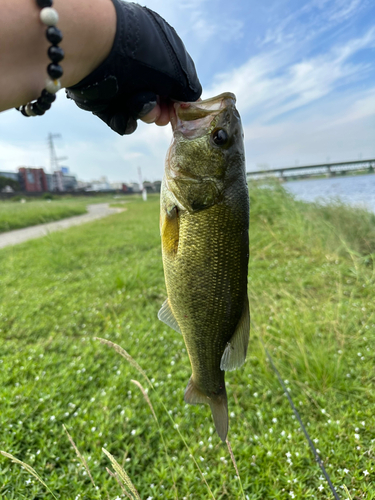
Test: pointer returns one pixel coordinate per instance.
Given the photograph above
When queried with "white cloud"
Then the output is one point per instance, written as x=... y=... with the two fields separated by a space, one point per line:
x=146 y=148
x=303 y=95
x=342 y=129
x=272 y=83
x=13 y=156
x=343 y=9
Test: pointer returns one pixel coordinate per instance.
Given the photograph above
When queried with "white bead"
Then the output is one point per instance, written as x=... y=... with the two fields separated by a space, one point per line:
x=49 y=16
x=28 y=110
x=53 y=85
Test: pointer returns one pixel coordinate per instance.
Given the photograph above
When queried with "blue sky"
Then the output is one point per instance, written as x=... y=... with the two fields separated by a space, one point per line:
x=303 y=73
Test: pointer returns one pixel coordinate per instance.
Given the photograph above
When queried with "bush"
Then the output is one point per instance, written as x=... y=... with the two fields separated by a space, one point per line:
x=47 y=196
x=5 y=181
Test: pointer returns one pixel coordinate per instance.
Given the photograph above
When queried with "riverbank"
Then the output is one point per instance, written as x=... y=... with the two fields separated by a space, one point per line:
x=311 y=289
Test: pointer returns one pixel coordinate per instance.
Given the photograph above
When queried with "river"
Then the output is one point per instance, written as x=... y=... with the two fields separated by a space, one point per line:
x=357 y=190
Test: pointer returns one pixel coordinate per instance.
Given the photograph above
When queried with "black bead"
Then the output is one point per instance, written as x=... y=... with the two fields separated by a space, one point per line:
x=54 y=71
x=54 y=35
x=37 y=110
x=23 y=111
x=56 y=54
x=44 y=3
x=47 y=96
x=43 y=105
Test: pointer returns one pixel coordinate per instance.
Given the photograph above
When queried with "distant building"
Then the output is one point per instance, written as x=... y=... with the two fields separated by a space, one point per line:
x=10 y=175
x=69 y=182
x=50 y=182
x=100 y=185
x=58 y=181
x=116 y=185
x=32 y=180
x=134 y=187
x=82 y=185
x=152 y=187
x=157 y=186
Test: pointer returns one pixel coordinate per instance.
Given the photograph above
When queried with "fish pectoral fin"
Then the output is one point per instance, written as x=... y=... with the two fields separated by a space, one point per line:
x=235 y=351
x=170 y=230
x=166 y=316
x=193 y=396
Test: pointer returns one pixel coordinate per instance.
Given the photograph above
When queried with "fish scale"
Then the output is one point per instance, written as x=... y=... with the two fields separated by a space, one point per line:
x=204 y=230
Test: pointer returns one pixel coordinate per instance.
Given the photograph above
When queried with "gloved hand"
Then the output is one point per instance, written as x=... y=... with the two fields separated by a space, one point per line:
x=147 y=60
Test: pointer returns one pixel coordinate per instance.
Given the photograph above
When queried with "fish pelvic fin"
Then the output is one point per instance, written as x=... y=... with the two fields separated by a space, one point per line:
x=235 y=351
x=218 y=405
x=166 y=316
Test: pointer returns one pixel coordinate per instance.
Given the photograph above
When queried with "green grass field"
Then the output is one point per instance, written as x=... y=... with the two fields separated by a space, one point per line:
x=311 y=288
x=16 y=215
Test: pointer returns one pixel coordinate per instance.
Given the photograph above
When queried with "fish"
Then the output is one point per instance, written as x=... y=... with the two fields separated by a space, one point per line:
x=204 y=227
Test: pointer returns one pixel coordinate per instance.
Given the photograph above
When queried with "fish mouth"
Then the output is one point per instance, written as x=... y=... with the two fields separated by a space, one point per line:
x=193 y=119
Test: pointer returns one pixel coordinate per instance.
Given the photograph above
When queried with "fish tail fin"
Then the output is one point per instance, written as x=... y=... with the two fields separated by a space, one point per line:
x=219 y=410
x=218 y=405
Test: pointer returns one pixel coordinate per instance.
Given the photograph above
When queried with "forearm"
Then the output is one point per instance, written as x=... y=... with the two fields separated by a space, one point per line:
x=88 y=28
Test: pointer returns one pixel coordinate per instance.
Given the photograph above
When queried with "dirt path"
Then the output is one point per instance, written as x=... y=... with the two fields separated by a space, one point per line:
x=97 y=211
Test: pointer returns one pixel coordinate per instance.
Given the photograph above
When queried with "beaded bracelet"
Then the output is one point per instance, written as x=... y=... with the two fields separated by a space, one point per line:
x=49 y=17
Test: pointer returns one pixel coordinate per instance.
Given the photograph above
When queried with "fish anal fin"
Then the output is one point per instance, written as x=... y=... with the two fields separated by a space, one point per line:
x=193 y=396
x=166 y=316
x=235 y=351
x=218 y=405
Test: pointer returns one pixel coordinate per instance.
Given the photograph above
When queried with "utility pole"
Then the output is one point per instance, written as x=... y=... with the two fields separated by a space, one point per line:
x=54 y=160
x=141 y=187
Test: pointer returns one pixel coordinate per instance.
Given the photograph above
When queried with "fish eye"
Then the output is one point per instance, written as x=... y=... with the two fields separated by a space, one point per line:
x=220 y=137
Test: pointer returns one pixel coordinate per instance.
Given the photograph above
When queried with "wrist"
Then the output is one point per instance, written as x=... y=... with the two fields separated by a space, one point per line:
x=89 y=30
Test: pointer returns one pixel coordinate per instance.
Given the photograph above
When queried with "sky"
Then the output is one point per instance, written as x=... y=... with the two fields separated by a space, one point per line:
x=303 y=72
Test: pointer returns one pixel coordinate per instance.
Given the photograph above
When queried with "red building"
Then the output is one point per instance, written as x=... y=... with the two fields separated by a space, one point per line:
x=33 y=179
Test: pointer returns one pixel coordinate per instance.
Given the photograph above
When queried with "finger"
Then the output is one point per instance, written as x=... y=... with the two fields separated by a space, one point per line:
x=164 y=114
x=153 y=115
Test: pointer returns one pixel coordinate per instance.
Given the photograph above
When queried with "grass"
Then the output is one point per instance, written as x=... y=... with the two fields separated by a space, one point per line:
x=16 y=215
x=311 y=287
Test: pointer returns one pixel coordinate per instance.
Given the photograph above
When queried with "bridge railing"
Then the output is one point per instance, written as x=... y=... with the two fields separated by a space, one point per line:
x=310 y=170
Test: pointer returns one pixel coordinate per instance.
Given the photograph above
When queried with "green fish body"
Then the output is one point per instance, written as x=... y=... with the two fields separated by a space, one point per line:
x=204 y=225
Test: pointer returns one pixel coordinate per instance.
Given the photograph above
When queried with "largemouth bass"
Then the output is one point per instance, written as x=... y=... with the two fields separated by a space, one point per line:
x=204 y=224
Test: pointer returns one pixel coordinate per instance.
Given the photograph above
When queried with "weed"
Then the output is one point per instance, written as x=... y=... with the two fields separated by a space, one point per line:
x=311 y=296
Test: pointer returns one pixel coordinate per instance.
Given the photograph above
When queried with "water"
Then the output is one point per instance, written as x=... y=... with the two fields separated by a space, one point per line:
x=357 y=190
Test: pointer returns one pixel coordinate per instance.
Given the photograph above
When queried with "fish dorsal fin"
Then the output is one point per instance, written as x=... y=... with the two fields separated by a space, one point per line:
x=218 y=405
x=193 y=395
x=166 y=316
x=235 y=352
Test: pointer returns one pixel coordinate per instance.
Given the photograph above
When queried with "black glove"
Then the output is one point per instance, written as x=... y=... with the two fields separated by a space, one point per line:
x=148 y=59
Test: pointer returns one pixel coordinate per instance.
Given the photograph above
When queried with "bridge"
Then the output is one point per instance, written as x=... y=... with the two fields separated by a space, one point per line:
x=327 y=169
